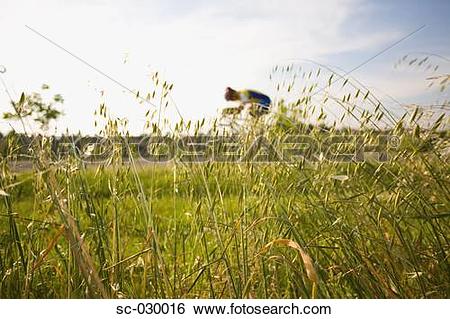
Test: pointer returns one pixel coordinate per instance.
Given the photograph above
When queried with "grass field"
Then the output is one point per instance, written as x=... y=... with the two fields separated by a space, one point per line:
x=229 y=230
x=307 y=229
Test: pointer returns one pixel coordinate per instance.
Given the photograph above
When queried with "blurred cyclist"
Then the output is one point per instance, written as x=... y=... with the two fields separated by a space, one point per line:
x=258 y=103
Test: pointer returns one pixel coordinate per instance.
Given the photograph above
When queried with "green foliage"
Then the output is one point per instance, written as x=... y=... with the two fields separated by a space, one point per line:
x=33 y=106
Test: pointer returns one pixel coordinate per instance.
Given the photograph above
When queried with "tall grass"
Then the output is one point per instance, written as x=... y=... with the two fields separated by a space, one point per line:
x=236 y=230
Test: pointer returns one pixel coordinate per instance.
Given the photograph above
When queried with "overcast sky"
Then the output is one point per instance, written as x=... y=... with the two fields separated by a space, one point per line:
x=203 y=46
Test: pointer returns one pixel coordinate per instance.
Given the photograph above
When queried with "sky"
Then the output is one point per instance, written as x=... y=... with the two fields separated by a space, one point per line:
x=204 y=46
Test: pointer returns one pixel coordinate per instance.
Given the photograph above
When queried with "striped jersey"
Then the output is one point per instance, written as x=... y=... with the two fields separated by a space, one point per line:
x=250 y=96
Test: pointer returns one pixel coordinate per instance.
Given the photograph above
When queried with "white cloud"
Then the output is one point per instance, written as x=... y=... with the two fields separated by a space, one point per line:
x=201 y=48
